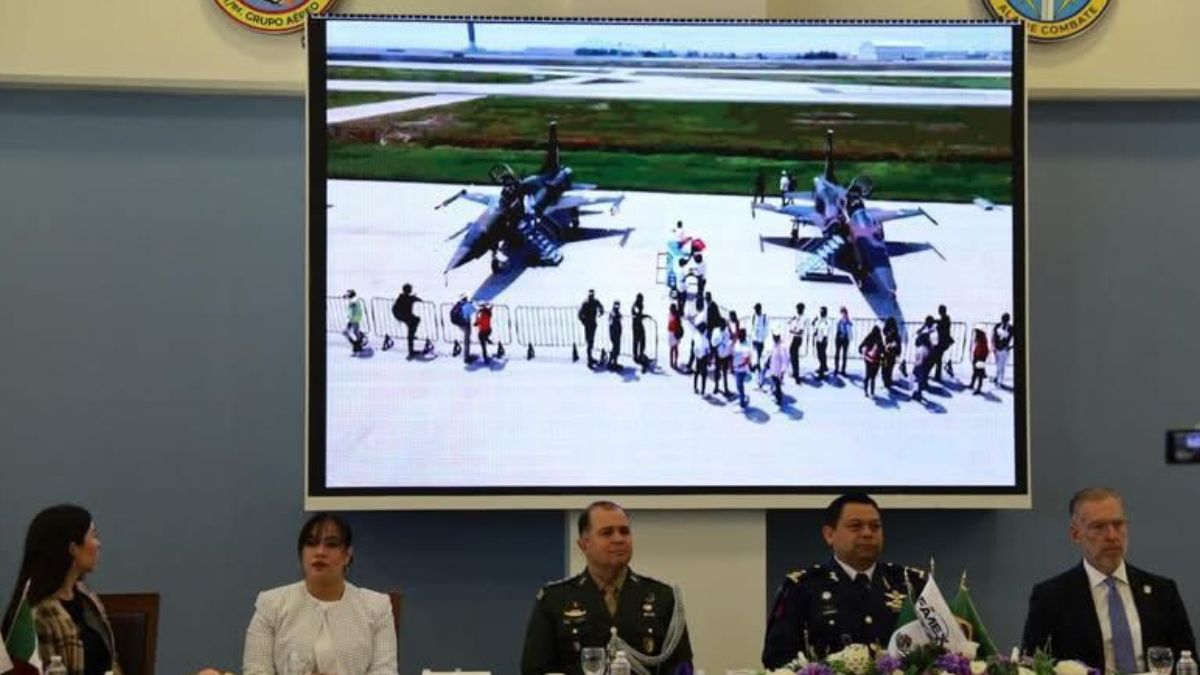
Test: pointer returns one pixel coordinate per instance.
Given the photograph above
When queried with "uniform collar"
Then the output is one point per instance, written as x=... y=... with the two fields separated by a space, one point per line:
x=625 y=575
x=851 y=572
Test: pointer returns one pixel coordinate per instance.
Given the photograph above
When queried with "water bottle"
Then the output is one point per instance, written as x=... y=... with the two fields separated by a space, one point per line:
x=620 y=664
x=1186 y=665
x=57 y=667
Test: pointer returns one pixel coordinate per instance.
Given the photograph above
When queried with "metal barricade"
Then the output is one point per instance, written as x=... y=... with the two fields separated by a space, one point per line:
x=384 y=323
x=337 y=314
x=549 y=326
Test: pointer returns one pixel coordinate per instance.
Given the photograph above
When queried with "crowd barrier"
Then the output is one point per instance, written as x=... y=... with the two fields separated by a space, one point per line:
x=523 y=325
x=560 y=327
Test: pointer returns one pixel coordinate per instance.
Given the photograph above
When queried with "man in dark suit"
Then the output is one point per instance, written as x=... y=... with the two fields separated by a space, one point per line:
x=1105 y=612
x=855 y=597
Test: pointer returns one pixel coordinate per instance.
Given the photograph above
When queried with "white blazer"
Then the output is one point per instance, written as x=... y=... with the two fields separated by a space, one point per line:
x=288 y=619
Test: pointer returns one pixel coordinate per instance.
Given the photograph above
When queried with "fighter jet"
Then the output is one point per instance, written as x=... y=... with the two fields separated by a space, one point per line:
x=851 y=239
x=526 y=224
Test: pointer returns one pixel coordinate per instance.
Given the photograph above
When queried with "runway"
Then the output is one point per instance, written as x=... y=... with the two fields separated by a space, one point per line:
x=394 y=422
x=648 y=84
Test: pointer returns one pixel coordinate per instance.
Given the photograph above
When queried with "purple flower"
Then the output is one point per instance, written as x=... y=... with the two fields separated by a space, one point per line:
x=954 y=663
x=887 y=664
x=815 y=669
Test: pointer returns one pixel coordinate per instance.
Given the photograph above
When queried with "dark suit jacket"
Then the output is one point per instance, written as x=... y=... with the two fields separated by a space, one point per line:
x=1062 y=616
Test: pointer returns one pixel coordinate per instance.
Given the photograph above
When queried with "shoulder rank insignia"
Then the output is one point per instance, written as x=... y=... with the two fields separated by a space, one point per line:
x=895 y=600
x=574 y=612
x=795 y=576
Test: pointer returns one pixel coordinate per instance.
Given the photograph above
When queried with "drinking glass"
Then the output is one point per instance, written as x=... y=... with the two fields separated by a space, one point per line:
x=592 y=659
x=1160 y=660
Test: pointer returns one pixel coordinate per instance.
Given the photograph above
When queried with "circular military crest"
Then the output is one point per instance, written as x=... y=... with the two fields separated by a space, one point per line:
x=1050 y=20
x=273 y=16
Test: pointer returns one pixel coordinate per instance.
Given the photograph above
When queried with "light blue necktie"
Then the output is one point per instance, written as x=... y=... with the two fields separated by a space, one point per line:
x=1122 y=638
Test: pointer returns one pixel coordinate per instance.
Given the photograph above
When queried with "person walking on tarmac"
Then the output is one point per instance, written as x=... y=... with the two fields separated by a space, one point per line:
x=483 y=324
x=614 y=335
x=460 y=316
x=589 y=312
x=402 y=309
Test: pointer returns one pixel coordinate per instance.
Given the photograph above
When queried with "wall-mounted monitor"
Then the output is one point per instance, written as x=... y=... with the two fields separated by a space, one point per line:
x=535 y=247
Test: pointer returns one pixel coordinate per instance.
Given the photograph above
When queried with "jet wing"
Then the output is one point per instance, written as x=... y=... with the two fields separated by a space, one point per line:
x=802 y=212
x=576 y=200
x=477 y=197
x=884 y=215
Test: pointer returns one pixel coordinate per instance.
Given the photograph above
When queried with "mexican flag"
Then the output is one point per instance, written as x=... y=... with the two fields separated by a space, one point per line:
x=21 y=643
x=968 y=617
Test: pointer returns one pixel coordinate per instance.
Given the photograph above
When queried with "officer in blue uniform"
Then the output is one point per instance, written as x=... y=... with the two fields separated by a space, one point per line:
x=853 y=598
x=582 y=611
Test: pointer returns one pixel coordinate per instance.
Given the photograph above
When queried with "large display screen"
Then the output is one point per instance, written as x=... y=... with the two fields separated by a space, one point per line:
x=709 y=263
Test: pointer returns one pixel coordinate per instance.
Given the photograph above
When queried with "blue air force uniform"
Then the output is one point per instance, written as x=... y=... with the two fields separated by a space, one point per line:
x=571 y=614
x=821 y=609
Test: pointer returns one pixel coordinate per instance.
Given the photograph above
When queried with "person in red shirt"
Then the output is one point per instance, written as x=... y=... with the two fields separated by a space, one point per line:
x=483 y=323
x=979 y=355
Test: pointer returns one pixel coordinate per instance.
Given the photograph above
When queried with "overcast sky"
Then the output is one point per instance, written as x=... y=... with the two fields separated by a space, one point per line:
x=741 y=39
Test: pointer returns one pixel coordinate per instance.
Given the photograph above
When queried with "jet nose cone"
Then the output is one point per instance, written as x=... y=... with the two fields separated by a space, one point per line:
x=461 y=255
x=884 y=280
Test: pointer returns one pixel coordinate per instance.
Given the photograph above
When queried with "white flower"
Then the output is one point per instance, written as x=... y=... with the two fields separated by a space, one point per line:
x=855 y=658
x=897 y=672
x=978 y=667
x=1070 y=668
x=784 y=671
x=1022 y=670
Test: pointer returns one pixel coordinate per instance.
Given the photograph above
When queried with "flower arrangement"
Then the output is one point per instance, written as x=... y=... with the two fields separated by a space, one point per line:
x=932 y=659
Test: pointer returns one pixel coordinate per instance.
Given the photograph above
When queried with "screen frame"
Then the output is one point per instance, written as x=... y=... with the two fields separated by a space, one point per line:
x=319 y=496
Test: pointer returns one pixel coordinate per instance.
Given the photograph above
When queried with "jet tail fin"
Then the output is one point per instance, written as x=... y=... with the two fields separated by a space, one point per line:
x=829 y=156
x=553 y=162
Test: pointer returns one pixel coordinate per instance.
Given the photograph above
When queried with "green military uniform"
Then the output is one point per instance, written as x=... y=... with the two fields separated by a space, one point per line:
x=821 y=609
x=571 y=614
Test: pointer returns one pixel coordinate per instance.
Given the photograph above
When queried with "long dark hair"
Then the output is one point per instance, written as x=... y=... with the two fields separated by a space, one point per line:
x=47 y=559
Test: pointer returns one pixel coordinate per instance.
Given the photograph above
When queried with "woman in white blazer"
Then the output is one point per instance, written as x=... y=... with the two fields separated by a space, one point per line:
x=323 y=624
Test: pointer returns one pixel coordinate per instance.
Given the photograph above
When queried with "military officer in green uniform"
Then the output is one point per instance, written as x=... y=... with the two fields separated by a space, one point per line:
x=583 y=610
x=853 y=598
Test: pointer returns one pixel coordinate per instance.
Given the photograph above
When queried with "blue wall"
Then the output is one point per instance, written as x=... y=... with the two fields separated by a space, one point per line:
x=151 y=278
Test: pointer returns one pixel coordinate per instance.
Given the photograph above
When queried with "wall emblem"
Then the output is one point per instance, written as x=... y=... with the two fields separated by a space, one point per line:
x=1050 y=20
x=273 y=16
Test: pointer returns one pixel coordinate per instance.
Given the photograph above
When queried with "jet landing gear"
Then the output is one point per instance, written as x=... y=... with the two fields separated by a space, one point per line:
x=500 y=262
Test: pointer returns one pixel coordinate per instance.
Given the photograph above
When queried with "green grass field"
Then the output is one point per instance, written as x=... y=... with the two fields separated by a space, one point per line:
x=934 y=154
x=423 y=75
x=341 y=99
x=942 y=81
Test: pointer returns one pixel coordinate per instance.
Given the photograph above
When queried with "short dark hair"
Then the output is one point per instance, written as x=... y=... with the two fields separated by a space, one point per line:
x=833 y=512
x=1092 y=494
x=585 y=519
x=312 y=528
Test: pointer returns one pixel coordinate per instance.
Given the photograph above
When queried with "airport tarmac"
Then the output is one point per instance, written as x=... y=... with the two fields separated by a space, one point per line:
x=394 y=422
